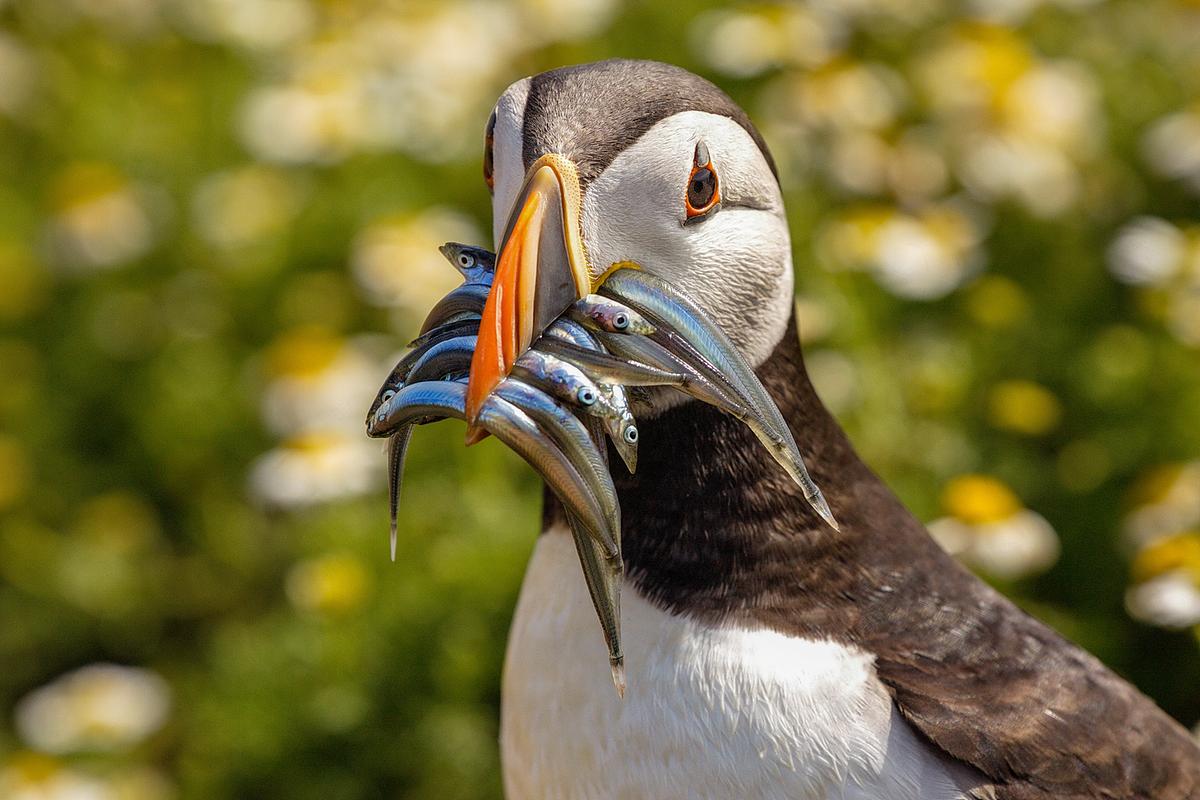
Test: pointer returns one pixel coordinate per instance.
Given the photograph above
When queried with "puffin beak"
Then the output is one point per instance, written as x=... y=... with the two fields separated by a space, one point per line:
x=541 y=270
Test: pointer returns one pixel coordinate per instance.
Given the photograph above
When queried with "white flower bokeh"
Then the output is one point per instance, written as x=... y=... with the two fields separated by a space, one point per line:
x=100 y=707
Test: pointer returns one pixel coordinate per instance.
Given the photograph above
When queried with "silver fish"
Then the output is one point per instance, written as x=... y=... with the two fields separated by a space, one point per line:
x=603 y=314
x=516 y=429
x=414 y=404
x=637 y=348
x=621 y=428
x=603 y=577
x=397 y=450
x=664 y=304
x=605 y=368
x=476 y=264
x=467 y=299
x=418 y=349
x=459 y=325
x=573 y=439
x=565 y=381
x=430 y=400
x=446 y=358
x=570 y=331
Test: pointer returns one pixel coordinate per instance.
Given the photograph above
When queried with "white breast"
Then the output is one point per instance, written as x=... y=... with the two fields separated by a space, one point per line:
x=710 y=712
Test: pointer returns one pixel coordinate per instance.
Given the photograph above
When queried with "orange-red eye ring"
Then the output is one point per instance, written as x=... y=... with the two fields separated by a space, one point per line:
x=702 y=195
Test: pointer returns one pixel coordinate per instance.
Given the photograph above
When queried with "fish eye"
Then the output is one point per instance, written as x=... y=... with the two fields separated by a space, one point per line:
x=631 y=435
x=703 y=195
x=621 y=321
x=489 y=141
x=586 y=396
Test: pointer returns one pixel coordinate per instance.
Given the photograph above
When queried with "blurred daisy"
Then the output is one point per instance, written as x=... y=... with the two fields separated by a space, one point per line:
x=103 y=220
x=883 y=12
x=967 y=72
x=101 y=707
x=317 y=381
x=988 y=529
x=921 y=256
x=1015 y=11
x=240 y=207
x=1147 y=251
x=557 y=20
x=916 y=169
x=749 y=41
x=1055 y=103
x=314 y=397
x=34 y=776
x=849 y=94
x=1156 y=254
x=1166 y=591
x=1042 y=178
x=251 y=24
x=389 y=76
x=1021 y=123
x=1172 y=146
x=1165 y=501
x=316 y=467
x=316 y=122
x=397 y=263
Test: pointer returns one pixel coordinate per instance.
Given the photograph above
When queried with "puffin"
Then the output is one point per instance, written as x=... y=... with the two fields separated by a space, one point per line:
x=769 y=653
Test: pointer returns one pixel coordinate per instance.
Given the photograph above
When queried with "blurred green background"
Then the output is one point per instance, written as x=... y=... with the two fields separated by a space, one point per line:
x=218 y=222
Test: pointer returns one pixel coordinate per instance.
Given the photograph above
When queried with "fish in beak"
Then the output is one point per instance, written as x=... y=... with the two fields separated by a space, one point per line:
x=542 y=269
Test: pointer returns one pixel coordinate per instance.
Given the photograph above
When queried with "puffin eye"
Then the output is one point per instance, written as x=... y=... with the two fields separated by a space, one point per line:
x=703 y=188
x=489 y=138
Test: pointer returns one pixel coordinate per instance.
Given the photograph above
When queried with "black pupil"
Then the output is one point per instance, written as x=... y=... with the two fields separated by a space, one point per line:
x=702 y=187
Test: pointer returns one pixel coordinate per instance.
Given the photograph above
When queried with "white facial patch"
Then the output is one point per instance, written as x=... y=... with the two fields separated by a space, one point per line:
x=735 y=263
x=508 y=165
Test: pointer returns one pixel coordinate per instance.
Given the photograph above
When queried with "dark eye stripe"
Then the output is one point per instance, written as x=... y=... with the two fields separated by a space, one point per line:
x=489 y=140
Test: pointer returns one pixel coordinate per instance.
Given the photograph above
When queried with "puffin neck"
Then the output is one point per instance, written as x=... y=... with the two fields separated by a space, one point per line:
x=710 y=522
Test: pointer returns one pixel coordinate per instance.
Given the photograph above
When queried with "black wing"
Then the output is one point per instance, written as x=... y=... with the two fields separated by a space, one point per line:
x=998 y=690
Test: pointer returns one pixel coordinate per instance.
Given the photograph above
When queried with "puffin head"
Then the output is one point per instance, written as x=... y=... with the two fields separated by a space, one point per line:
x=621 y=163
